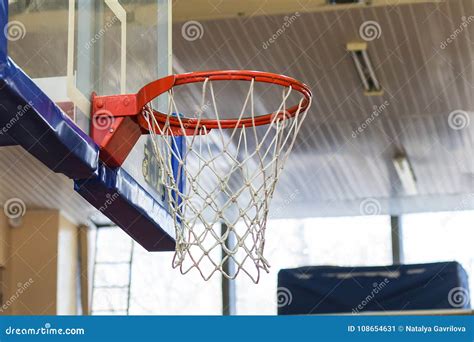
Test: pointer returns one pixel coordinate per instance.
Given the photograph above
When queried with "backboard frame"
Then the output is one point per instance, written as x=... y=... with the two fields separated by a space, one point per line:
x=31 y=119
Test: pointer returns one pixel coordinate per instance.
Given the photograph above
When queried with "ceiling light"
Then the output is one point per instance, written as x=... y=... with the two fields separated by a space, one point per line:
x=406 y=174
x=365 y=69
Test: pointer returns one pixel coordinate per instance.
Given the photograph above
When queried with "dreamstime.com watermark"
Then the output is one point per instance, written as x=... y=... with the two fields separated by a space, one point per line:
x=465 y=22
x=46 y=330
x=458 y=119
x=22 y=287
x=14 y=208
x=103 y=120
x=458 y=297
x=14 y=30
x=378 y=287
x=192 y=30
x=109 y=201
x=288 y=21
x=370 y=30
x=22 y=110
x=108 y=24
x=370 y=207
x=290 y=198
x=284 y=297
x=200 y=110
x=374 y=115
x=198 y=116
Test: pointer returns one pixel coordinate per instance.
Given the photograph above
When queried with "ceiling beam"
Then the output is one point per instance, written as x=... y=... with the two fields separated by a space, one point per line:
x=202 y=10
x=184 y=10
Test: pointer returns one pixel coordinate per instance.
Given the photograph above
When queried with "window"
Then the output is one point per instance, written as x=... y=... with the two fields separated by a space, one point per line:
x=349 y=241
x=446 y=236
x=155 y=289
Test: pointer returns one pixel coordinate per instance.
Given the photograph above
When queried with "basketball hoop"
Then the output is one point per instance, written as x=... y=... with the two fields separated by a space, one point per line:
x=230 y=167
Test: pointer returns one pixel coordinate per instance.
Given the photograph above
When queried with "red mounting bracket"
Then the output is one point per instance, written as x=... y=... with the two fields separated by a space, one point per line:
x=117 y=122
x=114 y=133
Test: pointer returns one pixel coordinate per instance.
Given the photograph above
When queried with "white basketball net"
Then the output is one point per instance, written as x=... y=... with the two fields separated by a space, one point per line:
x=230 y=176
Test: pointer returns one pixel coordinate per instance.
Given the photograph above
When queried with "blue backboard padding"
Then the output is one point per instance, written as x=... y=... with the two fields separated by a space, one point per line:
x=36 y=123
x=118 y=196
